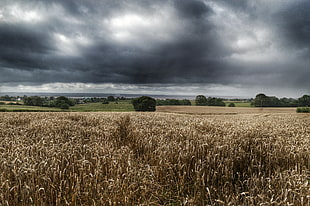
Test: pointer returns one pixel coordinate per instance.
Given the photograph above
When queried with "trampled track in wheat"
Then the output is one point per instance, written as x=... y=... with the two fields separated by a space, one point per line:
x=154 y=159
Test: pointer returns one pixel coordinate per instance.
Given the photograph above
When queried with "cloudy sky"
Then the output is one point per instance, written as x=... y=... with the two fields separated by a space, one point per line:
x=210 y=47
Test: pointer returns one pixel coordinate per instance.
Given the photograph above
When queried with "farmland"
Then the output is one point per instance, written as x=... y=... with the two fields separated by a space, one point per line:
x=224 y=110
x=154 y=159
x=121 y=106
x=126 y=106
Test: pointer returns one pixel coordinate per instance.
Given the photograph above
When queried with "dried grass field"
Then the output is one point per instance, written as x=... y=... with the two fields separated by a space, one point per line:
x=154 y=159
x=223 y=110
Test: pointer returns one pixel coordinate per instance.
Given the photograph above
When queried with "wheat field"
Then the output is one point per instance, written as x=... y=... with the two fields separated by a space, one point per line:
x=154 y=159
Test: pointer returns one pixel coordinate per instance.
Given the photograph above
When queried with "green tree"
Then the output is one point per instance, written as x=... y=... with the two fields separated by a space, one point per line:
x=261 y=100
x=273 y=102
x=105 y=101
x=231 y=104
x=64 y=105
x=288 y=102
x=33 y=101
x=111 y=98
x=144 y=103
x=62 y=101
x=160 y=102
x=201 y=100
x=304 y=101
x=212 y=101
x=186 y=102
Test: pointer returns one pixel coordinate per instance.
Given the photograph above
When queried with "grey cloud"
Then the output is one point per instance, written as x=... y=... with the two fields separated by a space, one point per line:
x=192 y=9
x=236 y=4
x=294 y=23
x=185 y=47
x=191 y=58
x=21 y=46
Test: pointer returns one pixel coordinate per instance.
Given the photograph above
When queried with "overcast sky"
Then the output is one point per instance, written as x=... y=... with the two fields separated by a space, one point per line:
x=210 y=47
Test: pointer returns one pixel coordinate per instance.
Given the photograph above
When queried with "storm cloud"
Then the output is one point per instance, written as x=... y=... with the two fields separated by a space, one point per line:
x=255 y=46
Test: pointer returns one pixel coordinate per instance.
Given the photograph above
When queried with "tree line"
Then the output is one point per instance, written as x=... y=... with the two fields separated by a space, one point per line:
x=103 y=100
x=201 y=100
x=262 y=100
x=64 y=102
x=60 y=102
x=8 y=98
x=149 y=104
x=160 y=102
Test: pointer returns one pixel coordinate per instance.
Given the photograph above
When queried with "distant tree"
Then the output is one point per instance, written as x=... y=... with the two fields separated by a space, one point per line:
x=63 y=101
x=5 y=98
x=273 y=102
x=160 y=102
x=64 y=105
x=144 y=103
x=231 y=104
x=212 y=101
x=33 y=101
x=111 y=98
x=105 y=101
x=261 y=100
x=201 y=100
x=173 y=102
x=304 y=101
x=26 y=100
x=186 y=102
x=122 y=98
x=288 y=102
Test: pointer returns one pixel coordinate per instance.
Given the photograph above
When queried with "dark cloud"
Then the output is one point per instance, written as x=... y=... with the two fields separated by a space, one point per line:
x=155 y=42
x=294 y=23
x=192 y=9
x=241 y=5
x=23 y=47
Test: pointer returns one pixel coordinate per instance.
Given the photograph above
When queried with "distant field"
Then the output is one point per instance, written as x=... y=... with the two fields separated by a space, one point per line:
x=121 y=106
x=238 y=104
x=223 y=110
x=19 y=108
x=126 y=106
x=7 y=102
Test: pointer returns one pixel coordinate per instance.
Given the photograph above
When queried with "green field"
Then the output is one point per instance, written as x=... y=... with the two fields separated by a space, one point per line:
x=238 y=103
x=24 y=108
x=121 y=106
